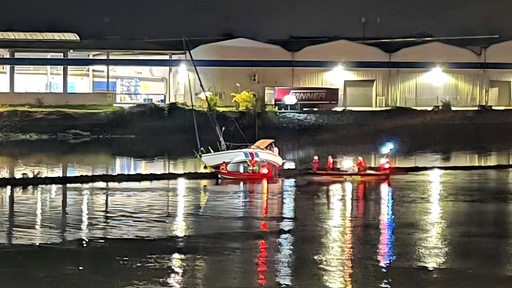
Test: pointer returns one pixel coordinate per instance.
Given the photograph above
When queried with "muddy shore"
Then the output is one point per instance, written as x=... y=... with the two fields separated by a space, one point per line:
x=442 y=130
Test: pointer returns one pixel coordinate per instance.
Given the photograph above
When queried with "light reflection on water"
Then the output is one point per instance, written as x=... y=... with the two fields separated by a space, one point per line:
x=432 y=248
x=386 y=225
x=303 y=157
x=200 y=233
x=94 y=164
x=336 y=256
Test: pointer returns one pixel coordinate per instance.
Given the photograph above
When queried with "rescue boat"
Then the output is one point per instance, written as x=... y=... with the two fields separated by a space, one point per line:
x=349 y=170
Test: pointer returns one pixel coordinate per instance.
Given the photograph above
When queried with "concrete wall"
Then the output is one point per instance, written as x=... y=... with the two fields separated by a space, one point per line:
x=7 y=98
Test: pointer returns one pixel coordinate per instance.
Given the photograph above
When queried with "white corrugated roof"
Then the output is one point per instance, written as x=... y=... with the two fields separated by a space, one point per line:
x=39 y=36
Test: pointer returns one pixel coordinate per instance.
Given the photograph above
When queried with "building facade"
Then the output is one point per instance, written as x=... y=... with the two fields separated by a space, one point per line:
x=365 y=77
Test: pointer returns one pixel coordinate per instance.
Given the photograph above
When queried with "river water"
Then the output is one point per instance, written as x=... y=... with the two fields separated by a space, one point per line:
x=435 y=228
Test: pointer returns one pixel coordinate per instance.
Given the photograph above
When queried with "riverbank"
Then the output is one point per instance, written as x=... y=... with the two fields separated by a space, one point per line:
x=147 y=124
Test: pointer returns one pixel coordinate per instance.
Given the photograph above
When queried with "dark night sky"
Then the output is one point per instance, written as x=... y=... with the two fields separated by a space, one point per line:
x=259 y=19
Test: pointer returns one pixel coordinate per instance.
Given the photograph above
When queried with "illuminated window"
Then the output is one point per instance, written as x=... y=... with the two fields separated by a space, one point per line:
x=38 y=78
x=4 y=73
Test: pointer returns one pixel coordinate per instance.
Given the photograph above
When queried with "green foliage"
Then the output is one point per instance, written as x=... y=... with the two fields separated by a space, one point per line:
x=244 y=100
x=213 y=100
x=446 y=105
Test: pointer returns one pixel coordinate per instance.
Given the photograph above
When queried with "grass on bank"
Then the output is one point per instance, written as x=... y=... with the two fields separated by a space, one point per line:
x=63 y=108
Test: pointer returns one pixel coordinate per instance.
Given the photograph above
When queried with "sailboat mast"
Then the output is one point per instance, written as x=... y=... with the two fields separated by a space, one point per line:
x=210 y=109
x=194 y=117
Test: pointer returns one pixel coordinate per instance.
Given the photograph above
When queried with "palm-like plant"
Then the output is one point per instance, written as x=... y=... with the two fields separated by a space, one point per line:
x=244 y=100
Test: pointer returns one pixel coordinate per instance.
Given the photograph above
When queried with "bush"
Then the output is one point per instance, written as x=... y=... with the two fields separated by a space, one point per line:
x=446 y=105
x=244 y=100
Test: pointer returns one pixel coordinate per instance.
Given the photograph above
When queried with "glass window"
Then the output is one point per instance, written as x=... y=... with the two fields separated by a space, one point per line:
x=4 y=73
x=139 y=84
x=38 y=78
x=81 y=78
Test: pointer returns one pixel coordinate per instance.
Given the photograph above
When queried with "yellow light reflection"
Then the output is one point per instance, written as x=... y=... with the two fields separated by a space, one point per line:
x=203 y=197
x=53 y=191
x=177 y=265
x=284 y=257
x=39 y=217
x=337 y=250
x=179 y=222
x=335 y=195
x=264 y=184
x=347 y=255
x=432 y=247
x=85 y=215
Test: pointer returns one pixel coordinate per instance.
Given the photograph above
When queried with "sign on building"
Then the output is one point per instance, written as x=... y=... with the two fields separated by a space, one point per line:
x=298 y=98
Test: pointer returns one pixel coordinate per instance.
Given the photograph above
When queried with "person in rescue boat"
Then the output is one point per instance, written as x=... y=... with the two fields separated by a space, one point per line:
x=330 y=162
x=315 y=163
x=361 y=164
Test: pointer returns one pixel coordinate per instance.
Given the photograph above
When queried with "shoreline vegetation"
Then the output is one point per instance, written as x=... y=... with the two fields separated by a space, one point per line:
x=442 y=129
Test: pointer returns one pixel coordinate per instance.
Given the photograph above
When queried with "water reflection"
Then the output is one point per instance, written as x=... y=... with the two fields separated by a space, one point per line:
x=302 y=157
x=179 y=228
x=176 y=266
x=336 y=253
x=204 y=233
x=432 y=247
x=285 y=256
x=386 y=226
x=95 y=164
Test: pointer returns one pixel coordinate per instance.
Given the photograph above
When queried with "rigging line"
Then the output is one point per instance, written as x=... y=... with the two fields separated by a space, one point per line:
x=194 y=116
x=210 y=110
x=193 y=111
x=239 y=129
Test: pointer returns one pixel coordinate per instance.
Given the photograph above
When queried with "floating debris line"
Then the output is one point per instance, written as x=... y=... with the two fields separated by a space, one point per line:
x=82 y=179
x=117 y=178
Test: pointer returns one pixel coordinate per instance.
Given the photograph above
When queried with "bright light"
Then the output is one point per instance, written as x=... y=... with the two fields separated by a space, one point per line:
x=347 y=163
x=290 y=100
x=338 y=75
x=436 y=76
x=182 y=73
x=386 y=148
x=204 y=95
x=180 y=226
x=288 y=165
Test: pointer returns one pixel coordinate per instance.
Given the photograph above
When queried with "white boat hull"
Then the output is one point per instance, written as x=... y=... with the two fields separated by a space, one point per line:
x=214 y=159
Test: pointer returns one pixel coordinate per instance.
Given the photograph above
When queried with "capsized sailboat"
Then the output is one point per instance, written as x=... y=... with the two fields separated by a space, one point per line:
x=255 y=169
x=263 y=149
